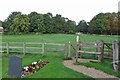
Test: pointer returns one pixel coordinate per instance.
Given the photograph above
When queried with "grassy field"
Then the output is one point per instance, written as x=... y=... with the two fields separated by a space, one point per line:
x=56 y=38
x=55 y=58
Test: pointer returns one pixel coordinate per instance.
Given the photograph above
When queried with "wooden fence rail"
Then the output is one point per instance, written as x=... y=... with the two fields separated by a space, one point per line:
x=34 y=47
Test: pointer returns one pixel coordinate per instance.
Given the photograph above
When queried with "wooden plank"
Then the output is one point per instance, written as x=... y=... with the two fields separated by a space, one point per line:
x=33 y=48
x=15 y=51
x=3 y=46
x=87 y=52
x=15 y=42
x=89 y=46
x=56 y=49
x=15 y=47
x=33 y=43
x=1 y=51
x=34 y=52
x=55 y=44
x=94 y=61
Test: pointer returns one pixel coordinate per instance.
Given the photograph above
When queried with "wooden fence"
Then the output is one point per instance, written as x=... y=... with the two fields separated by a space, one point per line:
x=77 y=50
x=108 y=50
x=116 y=55
x=30 y=47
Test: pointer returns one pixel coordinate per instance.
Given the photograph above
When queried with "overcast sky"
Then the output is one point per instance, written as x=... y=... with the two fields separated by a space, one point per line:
x=73 y=9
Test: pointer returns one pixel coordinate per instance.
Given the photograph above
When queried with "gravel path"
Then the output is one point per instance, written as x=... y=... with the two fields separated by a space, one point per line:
x=88 y=71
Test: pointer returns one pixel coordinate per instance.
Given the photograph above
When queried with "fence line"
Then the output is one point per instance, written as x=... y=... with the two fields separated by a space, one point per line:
x=41 y=47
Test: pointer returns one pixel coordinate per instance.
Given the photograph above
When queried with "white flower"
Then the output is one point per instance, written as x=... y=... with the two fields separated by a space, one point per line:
x=35 y=62
x=32 y=62
x=26 y=68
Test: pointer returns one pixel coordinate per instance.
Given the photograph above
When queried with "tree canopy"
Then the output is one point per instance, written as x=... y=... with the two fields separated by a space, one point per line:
x=18 y=23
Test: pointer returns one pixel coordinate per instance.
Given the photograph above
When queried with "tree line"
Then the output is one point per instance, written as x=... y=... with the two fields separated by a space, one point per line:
x=18 y=23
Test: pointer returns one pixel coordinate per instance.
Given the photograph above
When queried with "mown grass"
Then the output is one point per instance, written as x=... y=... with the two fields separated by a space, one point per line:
x=55 y=69
x=56 y=38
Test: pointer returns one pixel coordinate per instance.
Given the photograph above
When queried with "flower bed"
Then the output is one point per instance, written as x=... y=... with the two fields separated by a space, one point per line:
x=34 y=67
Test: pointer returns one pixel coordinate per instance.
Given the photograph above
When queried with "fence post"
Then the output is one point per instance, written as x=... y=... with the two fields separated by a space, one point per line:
x=77 y=49
x=43 y=48
x=69 y=46
x=100 y=48
x=65 y=50
x=7 y=47
x=24 y=48
x=116 y=55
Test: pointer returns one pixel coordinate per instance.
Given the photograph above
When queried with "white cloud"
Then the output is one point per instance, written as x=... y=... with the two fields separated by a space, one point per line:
x=73 y=9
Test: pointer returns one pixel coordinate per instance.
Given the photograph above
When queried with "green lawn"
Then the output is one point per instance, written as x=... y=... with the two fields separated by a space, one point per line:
x=56 y=38
x=55 y=69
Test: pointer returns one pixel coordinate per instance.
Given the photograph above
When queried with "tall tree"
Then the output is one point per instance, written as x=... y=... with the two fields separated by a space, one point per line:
x=71 y=26
x=20 y=24
x=48 y=22
x=36 y=22
x=9 y=21
x=97 y=24
x=82 y=26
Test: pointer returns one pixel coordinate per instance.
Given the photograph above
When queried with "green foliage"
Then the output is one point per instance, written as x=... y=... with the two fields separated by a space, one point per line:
x=82 y=27
x=36 y=22
x=97 y=24
x=48 y=22
x=16 y=23
x=105 y=23
x=71 y=26
x=20 y=24
x=102 y=23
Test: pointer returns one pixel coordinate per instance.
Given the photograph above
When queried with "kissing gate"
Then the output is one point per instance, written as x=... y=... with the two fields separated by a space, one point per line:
x=98 y=49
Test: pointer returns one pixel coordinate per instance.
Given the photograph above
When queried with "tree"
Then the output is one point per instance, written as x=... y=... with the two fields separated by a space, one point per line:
x=71 y=26
x=97 y=24
x=36 y=22
x=82 y=26
x=59 y=24
x=48 y=22
x=111 y=23
x=9 y=21
x=105 y=23
x=20 y=24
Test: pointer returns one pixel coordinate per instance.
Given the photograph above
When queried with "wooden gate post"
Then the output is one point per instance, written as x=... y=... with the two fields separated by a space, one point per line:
x=43 y=48
x=7 y=47
x=65 y=50
x=24 y=48
x=116 y=55
x=69 y=46
x=100 y=48
x=78 y=47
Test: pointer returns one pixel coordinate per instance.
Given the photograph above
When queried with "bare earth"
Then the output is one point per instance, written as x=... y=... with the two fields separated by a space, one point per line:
x=89 y=71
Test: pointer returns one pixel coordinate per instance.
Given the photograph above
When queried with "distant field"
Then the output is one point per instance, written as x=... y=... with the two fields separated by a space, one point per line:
x=55 y=69
x=56 y=38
